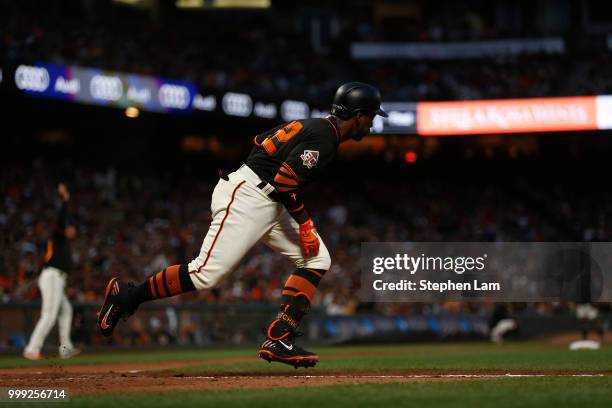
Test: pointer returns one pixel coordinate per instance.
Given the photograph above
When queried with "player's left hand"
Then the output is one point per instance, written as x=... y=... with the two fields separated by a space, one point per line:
x=309 y=238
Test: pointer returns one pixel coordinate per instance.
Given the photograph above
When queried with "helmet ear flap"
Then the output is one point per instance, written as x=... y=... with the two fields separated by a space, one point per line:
x=340 y=110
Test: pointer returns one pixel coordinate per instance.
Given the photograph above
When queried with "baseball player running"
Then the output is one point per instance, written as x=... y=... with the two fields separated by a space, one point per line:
x=262 y=201
x=52 y=282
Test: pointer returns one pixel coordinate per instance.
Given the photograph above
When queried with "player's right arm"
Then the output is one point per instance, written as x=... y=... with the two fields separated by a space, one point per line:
x=304 y=162
x=62 y=218
x=287 y=184
x=64 y=228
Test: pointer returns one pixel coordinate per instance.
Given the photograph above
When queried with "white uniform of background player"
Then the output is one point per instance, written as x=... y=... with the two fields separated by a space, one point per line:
x=52 y=282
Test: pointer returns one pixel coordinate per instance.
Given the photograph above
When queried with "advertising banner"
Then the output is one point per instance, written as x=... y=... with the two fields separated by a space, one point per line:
x=117 y=89
x=99 y=87
x=511 y=116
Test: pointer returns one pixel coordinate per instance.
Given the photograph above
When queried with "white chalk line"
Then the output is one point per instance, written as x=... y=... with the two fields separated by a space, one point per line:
x=345 y=377
x=408 y=376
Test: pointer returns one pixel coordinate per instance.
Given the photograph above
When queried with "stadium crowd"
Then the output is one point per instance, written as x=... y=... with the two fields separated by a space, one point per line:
x=133 y=225
x=283 y=61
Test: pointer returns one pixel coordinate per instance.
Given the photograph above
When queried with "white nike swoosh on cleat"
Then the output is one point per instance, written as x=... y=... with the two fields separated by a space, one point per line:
x=290 y=347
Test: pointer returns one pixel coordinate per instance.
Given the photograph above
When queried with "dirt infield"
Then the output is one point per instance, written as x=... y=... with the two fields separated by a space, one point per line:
x=166 y=376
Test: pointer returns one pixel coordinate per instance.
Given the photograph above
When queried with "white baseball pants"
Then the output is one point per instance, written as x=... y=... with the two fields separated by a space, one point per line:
x=501 y=328
x=55 y=306
x=242 y=215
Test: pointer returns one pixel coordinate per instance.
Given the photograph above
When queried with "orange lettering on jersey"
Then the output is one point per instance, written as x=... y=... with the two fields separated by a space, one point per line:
x=282 y=135
x=269 y=146
x=285 y=134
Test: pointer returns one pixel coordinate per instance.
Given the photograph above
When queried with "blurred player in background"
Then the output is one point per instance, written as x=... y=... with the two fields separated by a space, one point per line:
x=501 y=323
x=52 y=282
x=262 y=200
x=590 y=320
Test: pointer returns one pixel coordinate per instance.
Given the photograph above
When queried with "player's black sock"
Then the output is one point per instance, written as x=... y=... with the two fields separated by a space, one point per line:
x=295 y=303
x=171 y=281
x=281 y=328
x=295 y=307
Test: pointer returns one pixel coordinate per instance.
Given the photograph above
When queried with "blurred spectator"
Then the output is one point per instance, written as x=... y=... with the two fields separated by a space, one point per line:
x=137 y=230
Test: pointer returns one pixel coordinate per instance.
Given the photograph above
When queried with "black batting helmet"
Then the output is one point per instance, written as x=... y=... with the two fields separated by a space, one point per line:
x=354 y=97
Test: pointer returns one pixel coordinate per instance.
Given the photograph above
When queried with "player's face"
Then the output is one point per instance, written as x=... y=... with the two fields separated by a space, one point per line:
x=363 y=124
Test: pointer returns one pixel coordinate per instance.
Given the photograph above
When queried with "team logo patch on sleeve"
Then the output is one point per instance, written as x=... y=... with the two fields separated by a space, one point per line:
x=310 y=158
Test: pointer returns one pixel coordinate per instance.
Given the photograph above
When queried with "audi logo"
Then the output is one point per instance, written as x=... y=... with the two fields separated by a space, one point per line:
x=174 y=96
x=106 y=88
x=291 y=110
x=29 y=78
x=265 y=111
x=237 y=104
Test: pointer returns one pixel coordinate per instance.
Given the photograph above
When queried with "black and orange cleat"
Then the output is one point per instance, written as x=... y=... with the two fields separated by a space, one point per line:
x=115 y=306
x=283 y=348
x=285 y=351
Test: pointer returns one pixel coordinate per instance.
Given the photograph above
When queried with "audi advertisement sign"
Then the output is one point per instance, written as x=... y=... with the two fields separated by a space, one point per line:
x=122 y=90
x=94 y=86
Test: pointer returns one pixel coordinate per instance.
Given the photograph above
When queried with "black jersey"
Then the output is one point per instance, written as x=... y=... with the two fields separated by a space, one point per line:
x=58 y=253
x=306 y=146
x=293 y=154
